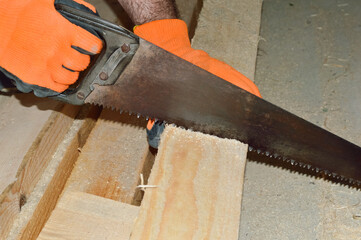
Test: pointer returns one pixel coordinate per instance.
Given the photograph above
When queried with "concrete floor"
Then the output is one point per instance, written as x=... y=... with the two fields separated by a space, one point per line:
x=309 y=62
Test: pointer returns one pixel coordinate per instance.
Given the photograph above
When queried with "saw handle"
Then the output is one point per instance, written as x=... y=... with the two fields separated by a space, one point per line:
x=119 y=46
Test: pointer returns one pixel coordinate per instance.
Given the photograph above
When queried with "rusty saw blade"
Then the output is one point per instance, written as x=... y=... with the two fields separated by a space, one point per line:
x=158 y=84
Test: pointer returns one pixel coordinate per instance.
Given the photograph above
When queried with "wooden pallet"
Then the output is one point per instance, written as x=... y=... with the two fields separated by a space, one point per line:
x=77 y=168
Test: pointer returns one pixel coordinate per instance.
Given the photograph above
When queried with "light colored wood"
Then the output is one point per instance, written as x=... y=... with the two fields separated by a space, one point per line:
x=229 y=31
x=33 y=164
x=189 y=11
x=27 y=206
x=112 y=159
x=116 y=152
x=22 y=117
x=199 y=179
x=82 y=216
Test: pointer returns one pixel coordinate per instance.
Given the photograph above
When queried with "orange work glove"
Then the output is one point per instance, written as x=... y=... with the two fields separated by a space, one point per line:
x=38 y=45
x=172 y=35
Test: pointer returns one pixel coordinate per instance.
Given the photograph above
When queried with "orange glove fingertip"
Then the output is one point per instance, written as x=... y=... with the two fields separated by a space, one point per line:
x=87 y=41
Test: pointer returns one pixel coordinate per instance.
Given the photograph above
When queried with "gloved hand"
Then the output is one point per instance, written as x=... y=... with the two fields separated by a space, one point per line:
x=38 y=45
x=172 y=35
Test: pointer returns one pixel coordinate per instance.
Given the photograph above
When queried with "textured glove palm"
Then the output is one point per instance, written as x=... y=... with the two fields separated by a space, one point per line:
x=38 y=45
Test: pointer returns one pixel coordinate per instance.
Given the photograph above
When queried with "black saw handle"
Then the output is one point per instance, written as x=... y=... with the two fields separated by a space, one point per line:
x=119 y=47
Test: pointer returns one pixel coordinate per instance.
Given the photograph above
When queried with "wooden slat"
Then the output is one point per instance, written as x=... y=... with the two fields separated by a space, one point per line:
x=189 y=11
x=229 y=31
x=109 y=166
x=26 y=207
x=112 y=158
x=82 y=216
x=22 y=117
x=34 y=164
x=200 y=180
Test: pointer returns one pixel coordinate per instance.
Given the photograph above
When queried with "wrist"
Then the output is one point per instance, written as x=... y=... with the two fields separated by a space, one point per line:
x=142 y=12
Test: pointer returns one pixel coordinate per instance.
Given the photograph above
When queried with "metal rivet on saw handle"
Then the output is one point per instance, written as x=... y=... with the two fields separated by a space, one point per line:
x=103 y=76
x=125 y=47
x=80 y=95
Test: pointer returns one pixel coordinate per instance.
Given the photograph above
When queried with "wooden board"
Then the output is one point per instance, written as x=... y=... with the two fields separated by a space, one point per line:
x=229 y=31
x=48 y=163
x=22 y=117
x=113 y=158
x=188 y=12
x=82 y=216
x=33 y=164
x=200 y=180
x=109 y=166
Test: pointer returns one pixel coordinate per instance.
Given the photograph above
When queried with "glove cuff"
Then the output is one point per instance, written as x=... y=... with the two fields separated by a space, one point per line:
x=169 y=34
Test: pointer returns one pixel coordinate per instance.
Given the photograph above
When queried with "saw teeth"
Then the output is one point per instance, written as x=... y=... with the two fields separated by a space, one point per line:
x=320 y=172
x=337 y=177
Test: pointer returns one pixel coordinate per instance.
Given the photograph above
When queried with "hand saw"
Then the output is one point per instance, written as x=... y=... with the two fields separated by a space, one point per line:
x=134 y=75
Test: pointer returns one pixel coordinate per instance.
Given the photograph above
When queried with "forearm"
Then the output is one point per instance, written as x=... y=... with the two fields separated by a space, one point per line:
x=144 y=11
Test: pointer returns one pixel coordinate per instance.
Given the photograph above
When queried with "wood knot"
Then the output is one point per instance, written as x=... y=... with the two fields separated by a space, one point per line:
x=22 y=200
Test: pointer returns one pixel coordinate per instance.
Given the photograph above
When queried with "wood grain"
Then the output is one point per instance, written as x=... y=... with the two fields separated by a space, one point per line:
x=47 y=164
x=199 y=179
x=33 y=165
x=82 y=216
x=22 y=118
x=112 y=159
x=228 y=30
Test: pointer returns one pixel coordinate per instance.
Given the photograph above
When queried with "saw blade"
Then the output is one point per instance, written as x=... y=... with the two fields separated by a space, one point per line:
x=161 y=85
